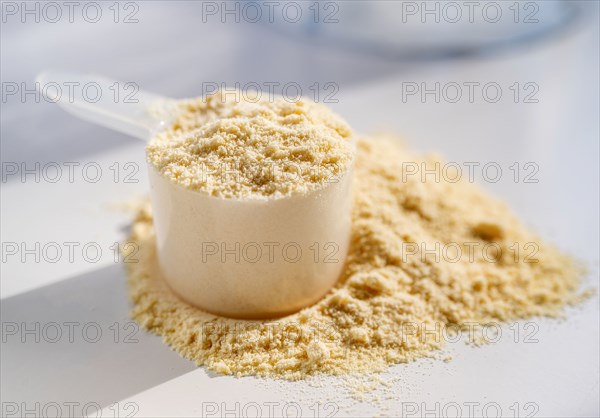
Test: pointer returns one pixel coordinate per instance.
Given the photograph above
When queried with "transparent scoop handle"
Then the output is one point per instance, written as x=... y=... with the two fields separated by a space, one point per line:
x=113 y=104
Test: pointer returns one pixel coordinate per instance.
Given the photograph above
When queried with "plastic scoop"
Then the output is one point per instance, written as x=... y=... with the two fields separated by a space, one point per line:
x=103 y=101
x=243 y=258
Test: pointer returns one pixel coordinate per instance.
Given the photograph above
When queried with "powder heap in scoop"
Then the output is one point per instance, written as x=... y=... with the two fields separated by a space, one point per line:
x=253 y=150
x=396 y=301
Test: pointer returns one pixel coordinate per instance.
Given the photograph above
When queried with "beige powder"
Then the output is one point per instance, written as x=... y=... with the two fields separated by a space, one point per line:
x=253 y=150
x=390 y=297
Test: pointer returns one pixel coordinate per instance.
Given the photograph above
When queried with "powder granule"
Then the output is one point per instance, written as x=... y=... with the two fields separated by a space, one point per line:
x=253 y=150
x=391 y=296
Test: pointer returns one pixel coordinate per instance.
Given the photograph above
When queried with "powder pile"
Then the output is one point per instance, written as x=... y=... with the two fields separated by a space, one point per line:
x=392 y=294
x=253 y=150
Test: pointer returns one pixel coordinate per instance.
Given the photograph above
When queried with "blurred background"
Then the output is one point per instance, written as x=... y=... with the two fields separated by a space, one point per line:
x=502 y=82
x=174 y=47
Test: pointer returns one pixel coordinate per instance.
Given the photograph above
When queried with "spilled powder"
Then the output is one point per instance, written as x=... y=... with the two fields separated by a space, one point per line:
x=392 y=294
x=253 y=150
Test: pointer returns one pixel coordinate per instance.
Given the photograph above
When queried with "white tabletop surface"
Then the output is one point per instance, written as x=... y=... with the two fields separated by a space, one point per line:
x=555 y=375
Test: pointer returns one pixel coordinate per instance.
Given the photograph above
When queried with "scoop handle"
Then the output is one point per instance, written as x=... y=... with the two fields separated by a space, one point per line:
x=116 y=105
